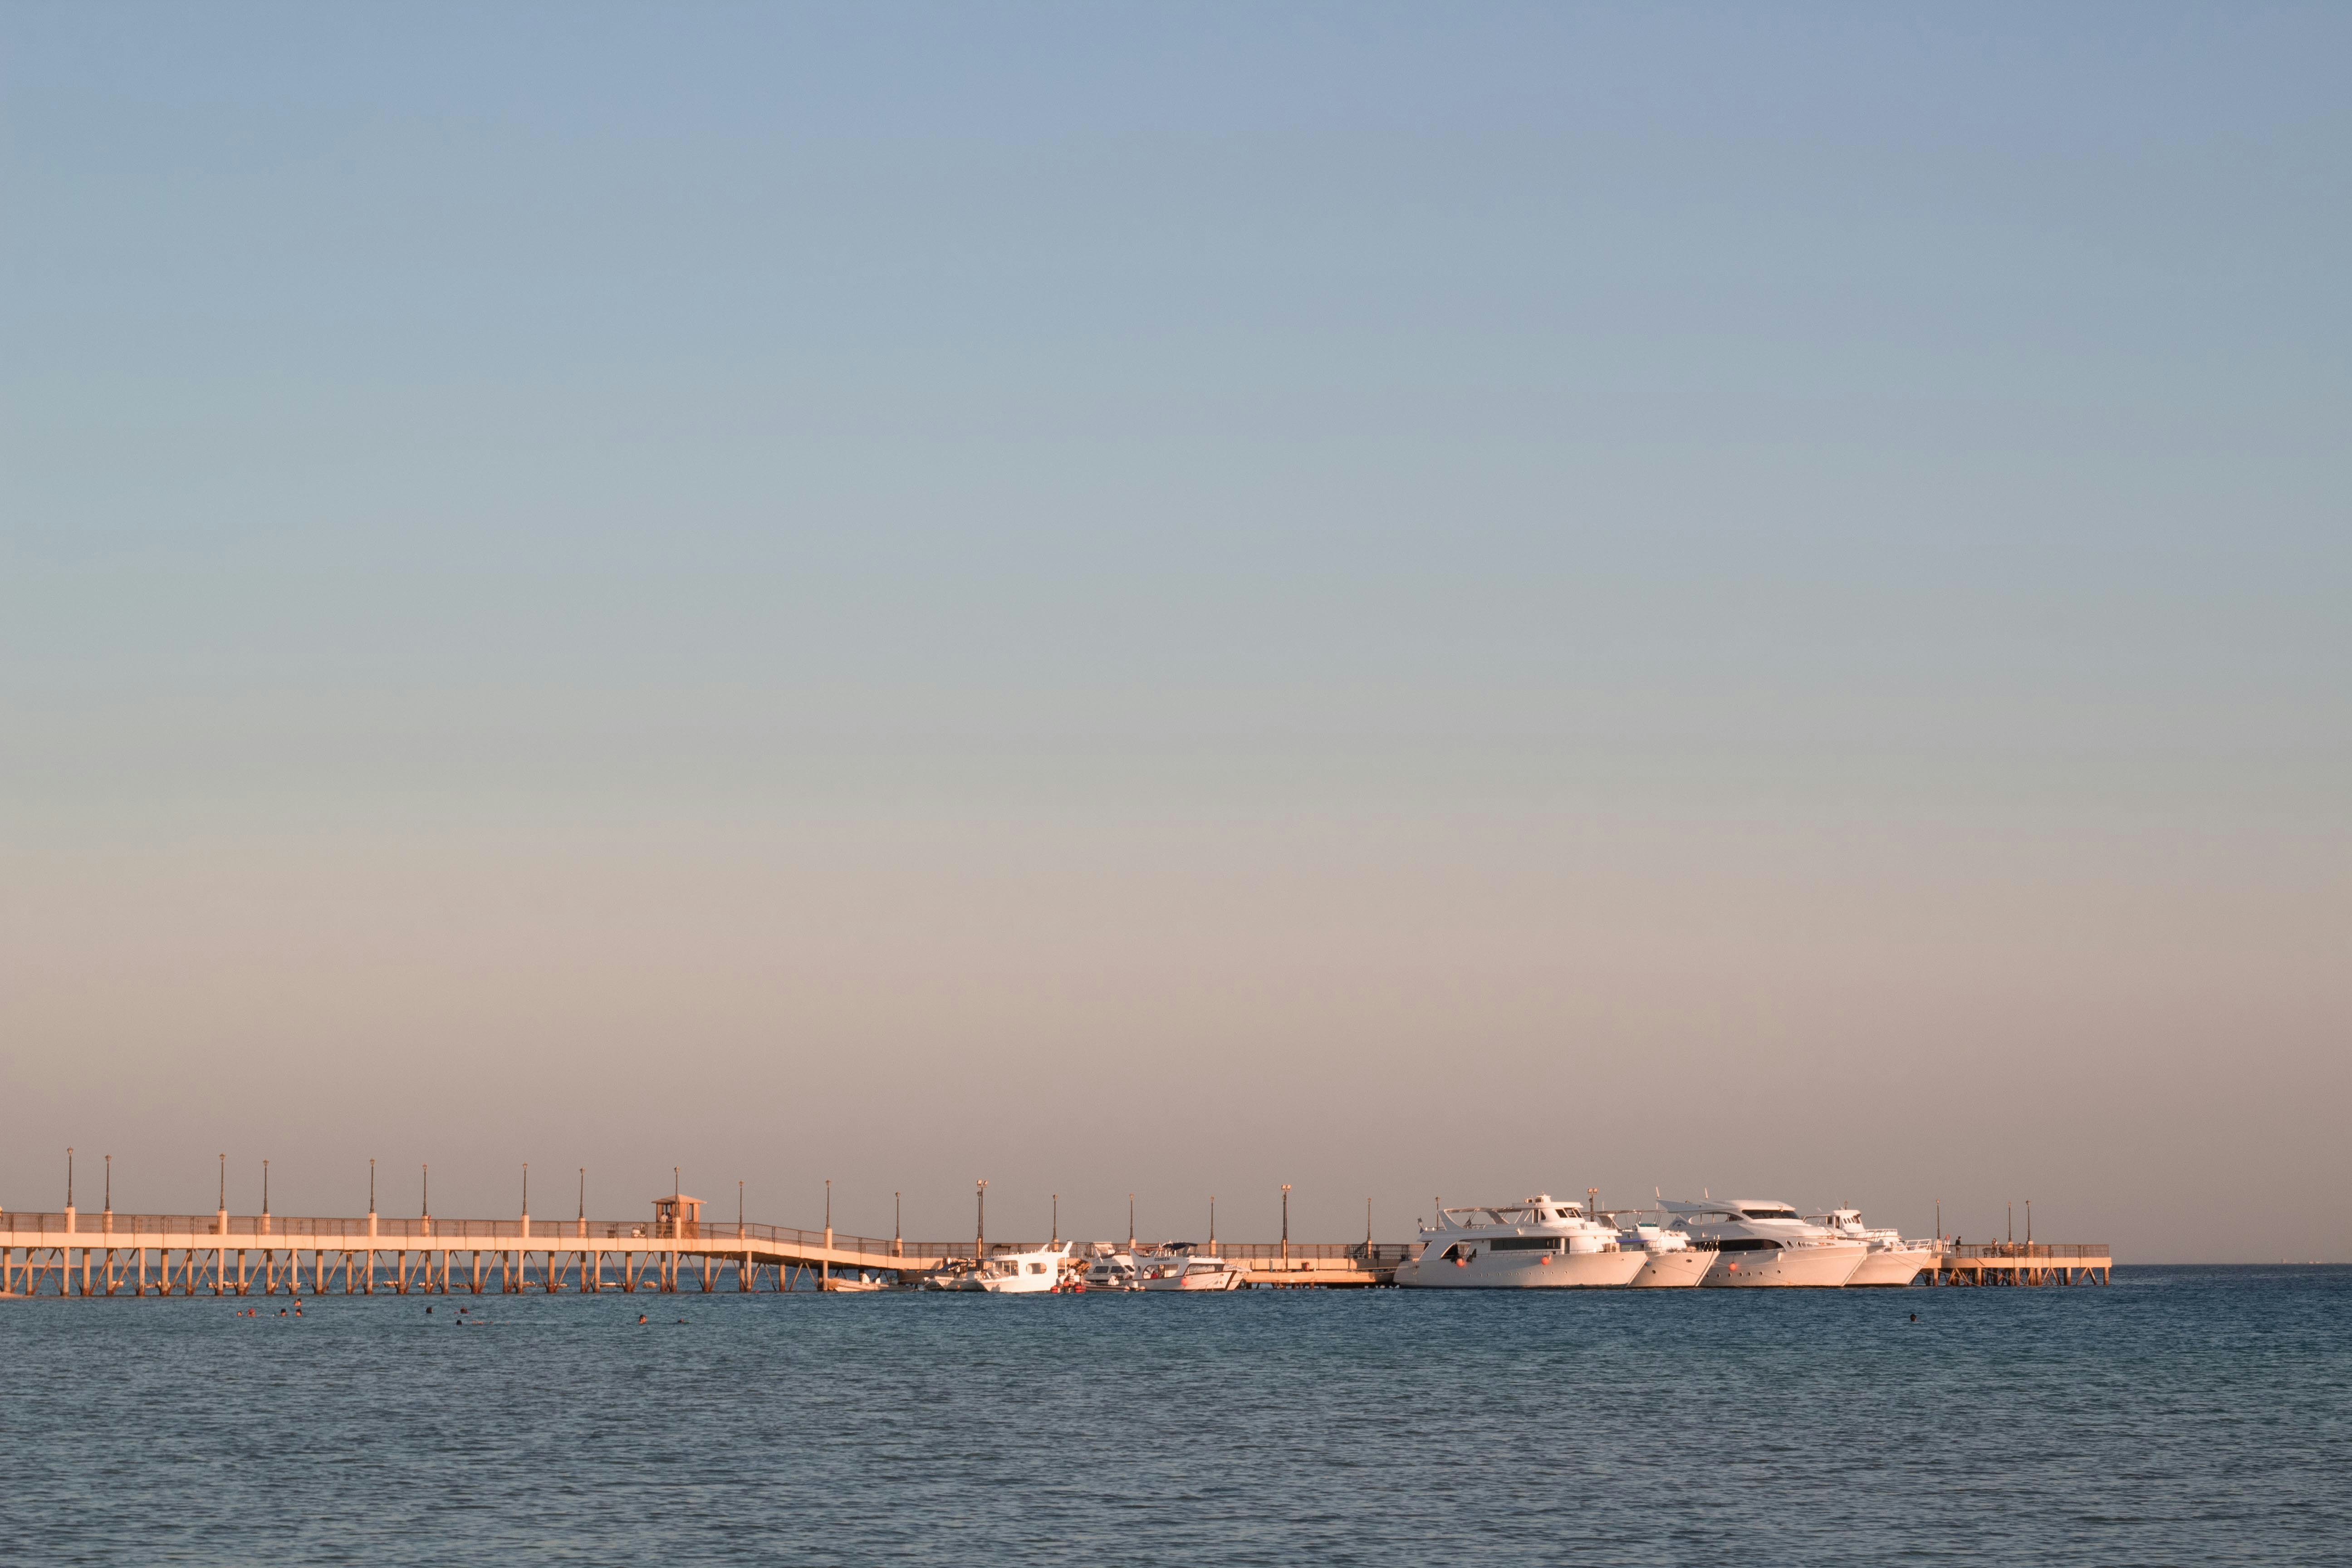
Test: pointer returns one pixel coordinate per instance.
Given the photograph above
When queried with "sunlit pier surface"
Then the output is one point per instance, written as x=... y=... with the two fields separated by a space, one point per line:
x=221 y=1254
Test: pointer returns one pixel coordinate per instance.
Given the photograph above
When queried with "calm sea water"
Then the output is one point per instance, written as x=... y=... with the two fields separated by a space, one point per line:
x=2180 y=1415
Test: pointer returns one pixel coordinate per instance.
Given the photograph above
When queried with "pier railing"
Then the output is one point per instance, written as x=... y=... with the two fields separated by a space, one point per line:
x=609 y=1234
x=2028 y=1249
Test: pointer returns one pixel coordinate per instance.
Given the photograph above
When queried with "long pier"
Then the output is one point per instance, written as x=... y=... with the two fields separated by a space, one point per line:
x=221 y=1254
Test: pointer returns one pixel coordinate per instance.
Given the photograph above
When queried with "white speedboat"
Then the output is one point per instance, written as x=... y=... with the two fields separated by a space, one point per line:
x=1761 y=1242
x=1109 y=1267
x=1892 y=1260
x=1675 y=1259
x=1540 y=1244
x=857 y=1280
x=1033 y=1273
x=1183 y=1269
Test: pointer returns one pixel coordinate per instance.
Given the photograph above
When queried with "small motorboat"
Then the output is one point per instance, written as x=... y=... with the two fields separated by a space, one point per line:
x=1180 y=1268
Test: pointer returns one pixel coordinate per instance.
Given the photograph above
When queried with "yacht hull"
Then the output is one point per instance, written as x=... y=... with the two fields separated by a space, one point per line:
x=1525 y=1271
x=1893 y=1266
x=1827 y=1266
x=1669 y=1270
x=1221 y=1281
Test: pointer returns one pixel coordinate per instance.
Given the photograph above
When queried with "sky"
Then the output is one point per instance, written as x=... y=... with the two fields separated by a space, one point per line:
x=1413 y=602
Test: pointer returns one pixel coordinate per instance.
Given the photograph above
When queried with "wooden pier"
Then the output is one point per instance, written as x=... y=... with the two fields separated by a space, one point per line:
x=221 y=1254
x=2023 y=1263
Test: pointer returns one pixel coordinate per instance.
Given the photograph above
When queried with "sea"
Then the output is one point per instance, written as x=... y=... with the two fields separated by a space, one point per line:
x=2178 y=1415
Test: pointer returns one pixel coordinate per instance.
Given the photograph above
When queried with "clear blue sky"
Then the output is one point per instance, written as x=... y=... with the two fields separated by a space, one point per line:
x=1305 y=568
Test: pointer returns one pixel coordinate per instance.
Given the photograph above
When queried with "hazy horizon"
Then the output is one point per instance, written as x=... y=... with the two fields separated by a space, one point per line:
x=1404 y=602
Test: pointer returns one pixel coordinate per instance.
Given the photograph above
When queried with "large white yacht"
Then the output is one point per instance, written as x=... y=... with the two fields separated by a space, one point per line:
x=1760 y=1241
x=1675 y=1259
x=1542 y=1243
x=1892 y=1260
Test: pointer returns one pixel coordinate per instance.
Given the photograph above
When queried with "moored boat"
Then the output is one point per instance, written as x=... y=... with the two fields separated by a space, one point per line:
x=1035 y=1272
x=1542 y=1243
x=1762 y=1242
x=1184 y=1269
x=1892 y=1259
x=1674 y=1260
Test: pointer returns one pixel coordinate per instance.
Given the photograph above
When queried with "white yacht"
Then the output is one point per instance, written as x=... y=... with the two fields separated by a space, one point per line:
x=1759 y=1241
x=1033 y=1273
x=1675 y=1259
x=1540 y=1244
x=1180 y=1268
x=1891 y=1260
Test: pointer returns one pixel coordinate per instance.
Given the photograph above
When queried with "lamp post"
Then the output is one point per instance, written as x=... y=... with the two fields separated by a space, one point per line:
x=108 y=1200
x=1285 y=1222
x=898 y=1229
x=980 y=1237
x=1058 y=1221
x=1130 y=1225
x=1212 y=1224
x=2028 y=1223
